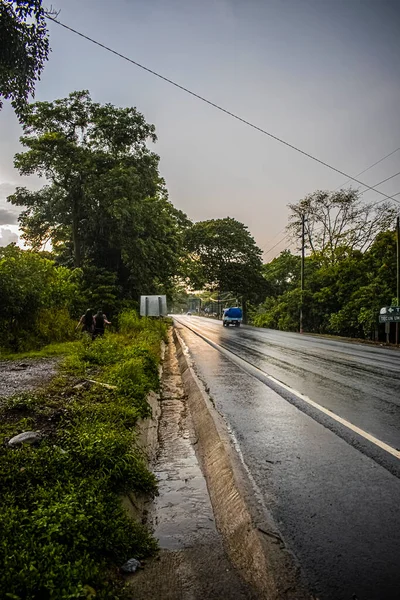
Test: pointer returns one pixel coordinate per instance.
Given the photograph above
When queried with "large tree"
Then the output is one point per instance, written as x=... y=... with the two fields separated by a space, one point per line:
x=339 y=219
x=105 y=204
x=282 y=273
x=24 y=48
x=342 y=296
x=223 y=256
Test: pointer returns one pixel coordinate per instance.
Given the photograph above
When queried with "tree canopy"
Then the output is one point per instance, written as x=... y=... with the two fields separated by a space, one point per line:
x=342 y=296
x=222 y=255
x=339 y=219
x=105 y=205
x=24 y=49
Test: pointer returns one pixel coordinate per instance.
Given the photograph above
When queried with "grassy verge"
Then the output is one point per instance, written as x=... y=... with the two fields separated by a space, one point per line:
x=63 y=532
x=55 y=349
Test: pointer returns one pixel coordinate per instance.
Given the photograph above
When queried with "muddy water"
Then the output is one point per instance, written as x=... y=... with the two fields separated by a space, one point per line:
x=182 y=513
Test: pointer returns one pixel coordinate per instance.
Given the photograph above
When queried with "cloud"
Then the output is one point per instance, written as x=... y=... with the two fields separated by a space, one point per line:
x=7 y=236
x=8 y=212
x=6 y=189
x=8 y=217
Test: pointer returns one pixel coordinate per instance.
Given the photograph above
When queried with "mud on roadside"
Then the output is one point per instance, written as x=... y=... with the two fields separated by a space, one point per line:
x=24 y=375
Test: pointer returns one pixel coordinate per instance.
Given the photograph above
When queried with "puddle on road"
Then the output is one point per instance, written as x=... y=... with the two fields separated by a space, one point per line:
x=182 y=513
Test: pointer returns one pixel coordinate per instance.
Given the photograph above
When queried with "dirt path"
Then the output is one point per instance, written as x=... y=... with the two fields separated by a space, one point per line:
x=20 y=376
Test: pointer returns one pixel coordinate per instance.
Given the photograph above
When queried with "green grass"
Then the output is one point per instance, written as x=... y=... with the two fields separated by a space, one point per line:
x=63 y=531
x=55 y=349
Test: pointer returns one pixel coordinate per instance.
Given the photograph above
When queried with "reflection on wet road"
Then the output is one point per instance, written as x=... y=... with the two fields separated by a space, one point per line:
x=360 y=383
x=336 y=507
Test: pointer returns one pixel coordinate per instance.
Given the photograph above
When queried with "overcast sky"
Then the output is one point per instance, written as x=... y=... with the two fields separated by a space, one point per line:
x=322 y=74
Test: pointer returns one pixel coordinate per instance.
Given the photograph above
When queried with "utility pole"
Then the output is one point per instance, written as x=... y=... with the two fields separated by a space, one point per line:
x=398 y=272
x=303 y=221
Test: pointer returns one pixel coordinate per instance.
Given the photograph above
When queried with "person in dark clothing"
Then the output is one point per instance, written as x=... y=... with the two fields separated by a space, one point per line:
x=100 y=321
x=86 y=321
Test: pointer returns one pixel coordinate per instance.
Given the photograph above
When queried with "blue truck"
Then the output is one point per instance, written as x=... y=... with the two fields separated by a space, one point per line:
x=232 y=316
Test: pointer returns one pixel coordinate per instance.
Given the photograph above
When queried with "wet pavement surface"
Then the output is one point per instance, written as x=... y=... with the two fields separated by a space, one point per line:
x=24 y=375
x=361 y=383
x=182 y=512
x=192 y=563
x=337 y=508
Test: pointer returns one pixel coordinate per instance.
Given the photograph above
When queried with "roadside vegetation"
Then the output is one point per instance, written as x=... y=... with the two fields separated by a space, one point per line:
x=350 y=268
x=63 y=531
x=99 y=233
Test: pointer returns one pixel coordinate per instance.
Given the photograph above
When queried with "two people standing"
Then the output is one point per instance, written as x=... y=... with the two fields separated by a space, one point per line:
x=94 y=324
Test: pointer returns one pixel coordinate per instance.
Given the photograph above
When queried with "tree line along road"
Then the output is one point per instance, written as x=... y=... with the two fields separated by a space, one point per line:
x=317 y=422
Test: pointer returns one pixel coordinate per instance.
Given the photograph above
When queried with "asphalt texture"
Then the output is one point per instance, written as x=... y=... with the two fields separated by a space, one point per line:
x=334 y=495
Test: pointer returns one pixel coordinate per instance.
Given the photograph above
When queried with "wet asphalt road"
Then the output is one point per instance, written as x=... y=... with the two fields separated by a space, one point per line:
x=334 y=495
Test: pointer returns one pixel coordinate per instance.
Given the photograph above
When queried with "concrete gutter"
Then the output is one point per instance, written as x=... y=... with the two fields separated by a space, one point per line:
x=251 y=540
x=136 y=504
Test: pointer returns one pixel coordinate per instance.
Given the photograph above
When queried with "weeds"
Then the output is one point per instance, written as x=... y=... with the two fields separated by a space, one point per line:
x=63 y=530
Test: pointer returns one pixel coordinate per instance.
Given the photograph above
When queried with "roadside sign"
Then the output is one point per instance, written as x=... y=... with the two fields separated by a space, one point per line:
x=153 y=306
x=389 y=314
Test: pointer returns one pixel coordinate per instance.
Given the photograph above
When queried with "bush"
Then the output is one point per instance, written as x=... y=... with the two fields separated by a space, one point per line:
x=63 y=530
x=53 y=325
x=35 y=299
x=102 y=351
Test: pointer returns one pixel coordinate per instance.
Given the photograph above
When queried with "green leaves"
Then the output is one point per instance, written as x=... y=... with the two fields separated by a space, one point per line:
x=342 y=297
x=105 y=208
x=223 y=255
x=24 y=49
x=35 y=296
x=63 y=530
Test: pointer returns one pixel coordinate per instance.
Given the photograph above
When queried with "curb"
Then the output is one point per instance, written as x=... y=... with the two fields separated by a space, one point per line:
x=257 y=551
x=146 y=441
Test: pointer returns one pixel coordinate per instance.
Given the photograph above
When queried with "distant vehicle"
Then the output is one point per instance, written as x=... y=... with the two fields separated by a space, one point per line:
x=189 y=314
x=232 y=316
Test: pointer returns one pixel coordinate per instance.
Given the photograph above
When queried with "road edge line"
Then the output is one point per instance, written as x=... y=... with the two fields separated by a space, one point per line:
x=258 y=552
x=278 y=386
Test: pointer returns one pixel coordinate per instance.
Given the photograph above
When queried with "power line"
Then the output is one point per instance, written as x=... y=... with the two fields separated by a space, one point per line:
x=370 y=167
x=343 y=184
x=391 y=197
x=217 y=106
x=277 y=243
x=384 y=181
x=272 y=239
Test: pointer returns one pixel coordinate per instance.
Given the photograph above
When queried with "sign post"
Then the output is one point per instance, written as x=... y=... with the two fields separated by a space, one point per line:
x=388 y=315
x=153 y=306
x=387 y=331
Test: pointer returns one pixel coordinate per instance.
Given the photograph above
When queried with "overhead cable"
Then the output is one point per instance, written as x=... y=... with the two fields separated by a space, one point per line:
x=217 y=106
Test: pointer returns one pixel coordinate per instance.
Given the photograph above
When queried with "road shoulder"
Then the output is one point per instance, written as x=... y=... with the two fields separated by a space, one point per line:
x=192 y=563
x=250 y=537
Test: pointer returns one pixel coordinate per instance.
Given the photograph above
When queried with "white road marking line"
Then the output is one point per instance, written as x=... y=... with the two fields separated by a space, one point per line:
x=371 y=438
x=332 y=415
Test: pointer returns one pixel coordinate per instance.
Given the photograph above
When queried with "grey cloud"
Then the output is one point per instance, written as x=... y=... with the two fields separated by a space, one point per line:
x=8 y=212
x=7 y=236
x=6 y=189
x=8 y=217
